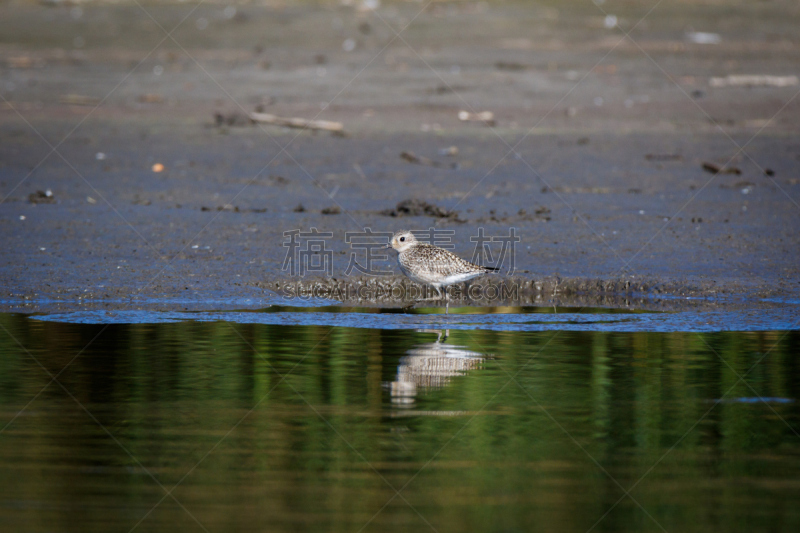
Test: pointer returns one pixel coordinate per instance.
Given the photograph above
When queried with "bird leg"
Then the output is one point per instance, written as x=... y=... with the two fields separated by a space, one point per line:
x=445 y=297
x=428 y=299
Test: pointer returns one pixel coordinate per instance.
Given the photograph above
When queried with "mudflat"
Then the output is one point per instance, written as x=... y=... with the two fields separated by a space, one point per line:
x=643 y=150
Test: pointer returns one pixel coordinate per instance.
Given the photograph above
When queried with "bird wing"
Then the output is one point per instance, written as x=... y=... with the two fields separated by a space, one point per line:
x=439 y=261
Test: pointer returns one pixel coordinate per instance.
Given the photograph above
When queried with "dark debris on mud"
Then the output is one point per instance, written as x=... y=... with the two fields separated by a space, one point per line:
x=42 y=197
x=234 y=209
x=417 y=208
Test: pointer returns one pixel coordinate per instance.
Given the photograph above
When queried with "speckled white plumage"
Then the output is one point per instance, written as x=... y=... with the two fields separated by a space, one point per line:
x=431 y=265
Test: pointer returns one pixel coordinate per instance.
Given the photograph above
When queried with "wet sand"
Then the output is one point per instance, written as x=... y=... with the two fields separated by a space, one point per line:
x=596 y=155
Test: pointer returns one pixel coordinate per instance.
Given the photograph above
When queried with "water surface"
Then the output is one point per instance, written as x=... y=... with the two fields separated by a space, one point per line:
x=218 y=422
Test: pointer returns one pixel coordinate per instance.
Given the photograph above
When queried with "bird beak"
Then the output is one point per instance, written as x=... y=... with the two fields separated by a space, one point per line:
x=389 y=245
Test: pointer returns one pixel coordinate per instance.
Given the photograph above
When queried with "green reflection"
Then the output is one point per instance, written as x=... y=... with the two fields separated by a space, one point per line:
x=285 y=428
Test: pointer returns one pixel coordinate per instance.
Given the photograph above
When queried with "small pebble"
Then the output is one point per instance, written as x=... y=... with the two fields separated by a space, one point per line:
x=451 y=151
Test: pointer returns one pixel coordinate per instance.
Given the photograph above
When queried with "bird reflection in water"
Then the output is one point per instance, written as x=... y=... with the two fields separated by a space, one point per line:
x=431 y=366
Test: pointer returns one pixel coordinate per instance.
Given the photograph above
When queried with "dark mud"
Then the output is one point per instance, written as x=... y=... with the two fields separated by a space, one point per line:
x=598 y=156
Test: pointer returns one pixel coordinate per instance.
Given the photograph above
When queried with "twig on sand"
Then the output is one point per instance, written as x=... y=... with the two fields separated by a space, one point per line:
x=487 y=117
x=325 y=125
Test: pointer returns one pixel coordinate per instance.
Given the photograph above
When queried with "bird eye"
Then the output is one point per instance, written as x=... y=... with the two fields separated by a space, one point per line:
x=402 y=239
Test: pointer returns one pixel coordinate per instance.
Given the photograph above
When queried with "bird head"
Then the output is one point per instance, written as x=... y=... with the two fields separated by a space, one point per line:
x=402 y=241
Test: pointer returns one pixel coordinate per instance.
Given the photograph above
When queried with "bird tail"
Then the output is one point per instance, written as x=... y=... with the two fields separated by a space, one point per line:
x=491 y=269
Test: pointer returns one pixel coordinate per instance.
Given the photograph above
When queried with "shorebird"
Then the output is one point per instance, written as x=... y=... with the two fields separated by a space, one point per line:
x=431 y=265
